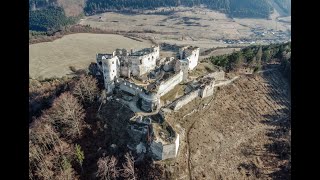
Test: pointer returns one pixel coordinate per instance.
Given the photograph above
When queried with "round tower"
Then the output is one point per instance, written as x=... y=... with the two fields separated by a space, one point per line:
x=149 y=101
x=110 y=68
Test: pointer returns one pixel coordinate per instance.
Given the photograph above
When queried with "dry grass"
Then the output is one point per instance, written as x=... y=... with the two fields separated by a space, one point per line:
x=72 y=7
x=242 y=116
x=175 y=93
x=195 y=26
x=54 y=58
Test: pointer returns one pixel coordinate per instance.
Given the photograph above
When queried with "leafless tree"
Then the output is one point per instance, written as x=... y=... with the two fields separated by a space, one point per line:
x=44 y=170
x=67 y=115
x=128 y=167
x=86 y=89
x=67 y=174
x=113 y=167
x=103 y=171
x=107 y=168
x=43 y=137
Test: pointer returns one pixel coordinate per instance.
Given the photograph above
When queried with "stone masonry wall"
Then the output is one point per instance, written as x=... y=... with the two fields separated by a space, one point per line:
x=185 y=99
x=170 y=84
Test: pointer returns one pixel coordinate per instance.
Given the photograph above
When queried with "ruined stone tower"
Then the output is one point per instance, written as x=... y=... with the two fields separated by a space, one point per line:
x=109 y=65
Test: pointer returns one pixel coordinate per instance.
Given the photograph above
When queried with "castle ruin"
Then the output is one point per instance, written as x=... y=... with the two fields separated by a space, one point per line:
x=138 y=79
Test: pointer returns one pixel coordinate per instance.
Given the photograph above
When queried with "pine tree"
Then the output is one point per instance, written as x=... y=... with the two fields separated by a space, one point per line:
x=79 y=155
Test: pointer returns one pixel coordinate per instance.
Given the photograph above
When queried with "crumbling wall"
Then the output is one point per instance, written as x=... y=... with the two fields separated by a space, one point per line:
x=170 y=84
x=169 y=64
x=149 y=102
x=207 y=90
x=144 y=63
x=148 y=63
x=191 y=55
x=185 y=99
x=156 y=150
x=183 y=66
x=171 y=150
x=135 y=63
x=193 y=59
x=165 y=151
x=129 y=87
x=125 y=71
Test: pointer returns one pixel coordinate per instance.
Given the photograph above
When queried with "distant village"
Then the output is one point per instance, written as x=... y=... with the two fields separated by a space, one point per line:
x=261 y=36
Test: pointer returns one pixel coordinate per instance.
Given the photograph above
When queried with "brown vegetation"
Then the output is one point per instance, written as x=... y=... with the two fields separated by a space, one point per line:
x=107 y=168
x=66 y=115
x=85 y=89
x=244 y=133
x=51 y=137
x=128 y=167
x=67 y=140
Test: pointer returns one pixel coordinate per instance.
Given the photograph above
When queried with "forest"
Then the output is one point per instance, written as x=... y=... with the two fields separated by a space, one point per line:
x=255 y=57
x=234 y=8
x=67 y=137
x=49 y=19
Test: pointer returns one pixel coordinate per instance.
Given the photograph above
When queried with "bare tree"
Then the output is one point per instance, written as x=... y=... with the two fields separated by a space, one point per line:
x=43 y=137
x=107 y=168
x=86 y=89
x=113 y=167
x=67 y=115
x=67 y=174
x=44 y=169
x=64 y=168
x=45 y=146
x=103 y=171
x=128 y=167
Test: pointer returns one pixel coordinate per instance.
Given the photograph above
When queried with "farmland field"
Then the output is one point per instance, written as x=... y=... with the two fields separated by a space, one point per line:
x=50 y=59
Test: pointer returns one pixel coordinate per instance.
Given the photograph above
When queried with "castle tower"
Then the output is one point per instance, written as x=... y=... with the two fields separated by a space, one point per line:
x=182 y=52
x=156 y=50
x=110 y=69
x=190 y=54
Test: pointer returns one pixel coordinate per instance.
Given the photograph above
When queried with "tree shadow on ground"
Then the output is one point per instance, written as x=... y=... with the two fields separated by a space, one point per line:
x=106 y=128
x=108 y=136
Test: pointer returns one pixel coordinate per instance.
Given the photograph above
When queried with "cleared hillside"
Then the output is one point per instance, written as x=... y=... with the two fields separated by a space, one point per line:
x=244 y=133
